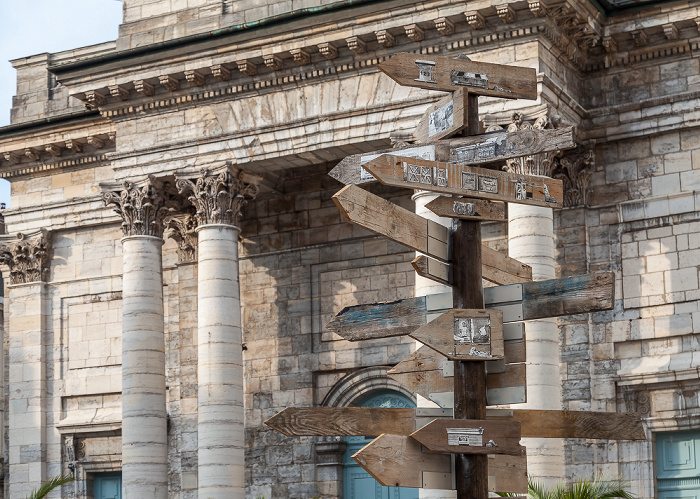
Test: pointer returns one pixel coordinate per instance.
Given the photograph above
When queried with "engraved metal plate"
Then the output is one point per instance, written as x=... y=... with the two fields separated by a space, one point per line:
x=469 y=181
x=488 y=184
x=425 y=71
x=413 y=173
x=441 y=177
x=486 y=150
x=441 y=119
x=426 y=175
x=466 y=209
x=521 y=189
x=471 y=437
x=465 y=154
x=468 y=79
x=365 y=175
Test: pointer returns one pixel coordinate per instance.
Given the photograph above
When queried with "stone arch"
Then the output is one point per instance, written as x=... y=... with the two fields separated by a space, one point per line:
x=361 y=383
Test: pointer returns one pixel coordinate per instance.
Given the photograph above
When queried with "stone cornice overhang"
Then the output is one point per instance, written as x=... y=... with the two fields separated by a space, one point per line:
x=75 y=139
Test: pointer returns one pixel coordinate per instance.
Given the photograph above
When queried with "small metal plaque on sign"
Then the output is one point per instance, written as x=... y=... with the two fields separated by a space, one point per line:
x=472 y=330
x=461 y=208
x=441 y=119
x=472 y=437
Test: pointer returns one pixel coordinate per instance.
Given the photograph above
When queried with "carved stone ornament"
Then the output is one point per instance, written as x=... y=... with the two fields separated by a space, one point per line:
x=27 y=256
x=574 y=168
x=637 y=401
x=536 y=164
x=182 y=228
x=142 y=207
x=218 y=197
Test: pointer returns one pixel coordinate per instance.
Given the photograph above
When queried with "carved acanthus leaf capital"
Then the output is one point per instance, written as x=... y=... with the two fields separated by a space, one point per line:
x=182 y=228
x=574 y=169
x=27 y=256
x=143 y=207
x=219 y=197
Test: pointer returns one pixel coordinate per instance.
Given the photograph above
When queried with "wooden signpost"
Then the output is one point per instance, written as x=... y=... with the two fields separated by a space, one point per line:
x=474 y=353
x=450 y=75
x=476 y=150
x=465 y=180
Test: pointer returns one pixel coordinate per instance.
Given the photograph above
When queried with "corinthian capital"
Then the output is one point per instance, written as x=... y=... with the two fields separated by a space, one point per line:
x=574 y=168
x=218 y=197
x=27 y=255
x=182 y=229
x=142 y=207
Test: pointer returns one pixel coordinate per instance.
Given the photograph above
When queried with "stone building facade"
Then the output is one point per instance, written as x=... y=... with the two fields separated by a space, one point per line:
x=172 y=253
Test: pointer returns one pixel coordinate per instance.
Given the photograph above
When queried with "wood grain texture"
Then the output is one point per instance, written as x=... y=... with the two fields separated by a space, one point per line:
x=569 y=295
x=499 y=267
x=422 y=372
x=468 y=208
x=387 y=219
x=440 y=333
x=479 y=149
x=504 y=438
x=379 y=320
x=339 y=421
x=398 y=461
x=443 y=119
x=449 y=74
x=463 y=180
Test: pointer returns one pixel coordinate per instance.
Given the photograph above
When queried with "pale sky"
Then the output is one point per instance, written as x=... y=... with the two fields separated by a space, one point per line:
x=39 y=26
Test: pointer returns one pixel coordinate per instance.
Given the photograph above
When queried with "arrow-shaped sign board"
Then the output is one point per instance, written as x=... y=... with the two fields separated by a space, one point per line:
x=371 y=421
x=468 y=436
x=399 y=461
x=398 y=224
x=449 y=74
x=465 y=334
x=464 y=180
x=447 y=117
x=474 y=150
x=518 y=302
x=468 y=208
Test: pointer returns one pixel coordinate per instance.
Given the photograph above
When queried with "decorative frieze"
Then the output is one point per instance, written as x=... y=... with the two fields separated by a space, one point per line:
x=273 y=62
x=574 y=168
x=385 y=38
x=537 y=8
x=414 y=32
x=671 y=31
x=328 y=50
x=142 y=207
x=247 y=67
x=93 y=99
x=27 y=256
x=356 y=45
x=169 y=82
x=195 y=78
x=475 y=19
x=300 y=56
x=182 y=229
x=444 y=26
x=143 y=87
x=218 y=197
x=220 y=72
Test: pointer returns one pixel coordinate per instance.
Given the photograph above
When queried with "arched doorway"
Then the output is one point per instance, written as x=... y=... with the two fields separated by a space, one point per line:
x=357 y=483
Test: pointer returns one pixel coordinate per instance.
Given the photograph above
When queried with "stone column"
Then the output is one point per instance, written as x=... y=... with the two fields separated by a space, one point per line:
x=531 y=241
x=28 y=261
x=219 y=198
x=144 y=414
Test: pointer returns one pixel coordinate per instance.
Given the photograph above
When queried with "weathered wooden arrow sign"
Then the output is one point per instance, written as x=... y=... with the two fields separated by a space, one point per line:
x=526 y=301
x=468 y=208
x=495 y=267
x=398 y=224
x=447 y=117
x=399 y=461
x=474 y=150
x=462 y=334
x=469 y=436
x=371 y=421
x=449 y=74
x=464 y=180
x=431 y=375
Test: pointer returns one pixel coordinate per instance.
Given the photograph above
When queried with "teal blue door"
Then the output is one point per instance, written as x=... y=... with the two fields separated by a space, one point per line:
x=357 y=483
x=678 y=465
x=108 y=485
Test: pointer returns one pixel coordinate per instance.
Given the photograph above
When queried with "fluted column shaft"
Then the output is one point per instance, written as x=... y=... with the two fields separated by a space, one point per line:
x=144 y=416
x=220 y=443
x=531 y=241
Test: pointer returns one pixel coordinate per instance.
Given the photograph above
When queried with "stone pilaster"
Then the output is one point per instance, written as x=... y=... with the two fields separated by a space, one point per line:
x=219 y=198
x=27 y=256
x=144 y=415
